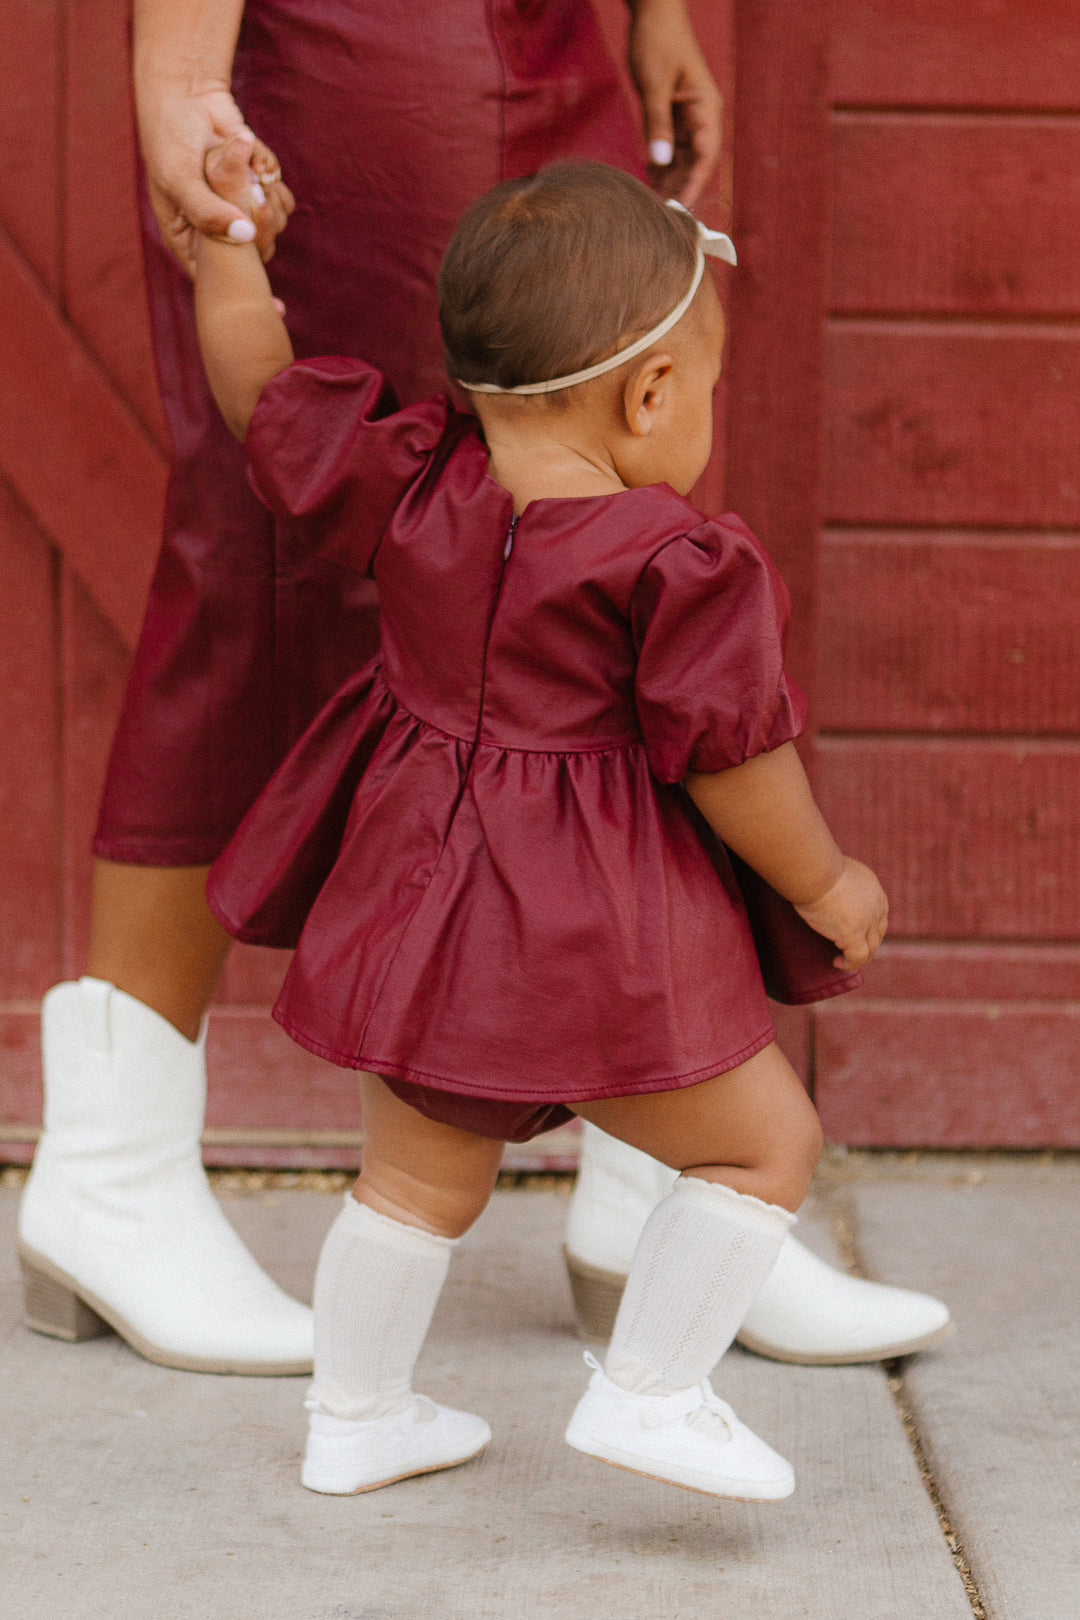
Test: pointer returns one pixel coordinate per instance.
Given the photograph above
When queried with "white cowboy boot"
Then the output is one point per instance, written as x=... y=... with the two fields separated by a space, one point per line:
x=118 y=1227
x=806 y=1312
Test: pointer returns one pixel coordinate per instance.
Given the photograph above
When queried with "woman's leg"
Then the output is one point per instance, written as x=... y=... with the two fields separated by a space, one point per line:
x=379 y=1277
x=746 y=1142
x=154 y=937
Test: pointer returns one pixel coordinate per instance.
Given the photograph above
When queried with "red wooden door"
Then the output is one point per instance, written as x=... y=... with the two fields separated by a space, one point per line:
x=936 y=606
x=948 y=690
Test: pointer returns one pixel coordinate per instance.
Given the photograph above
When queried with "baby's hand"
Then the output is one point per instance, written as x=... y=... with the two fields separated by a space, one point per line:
x=243 y=171
x=853 y=913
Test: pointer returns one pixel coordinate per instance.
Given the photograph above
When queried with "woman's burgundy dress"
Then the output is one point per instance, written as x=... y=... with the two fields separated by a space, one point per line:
x=506 y=899
x=388 y=119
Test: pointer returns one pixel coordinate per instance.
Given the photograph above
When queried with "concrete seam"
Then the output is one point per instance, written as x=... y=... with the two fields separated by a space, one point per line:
x=843 y=1221
x=894 y=1377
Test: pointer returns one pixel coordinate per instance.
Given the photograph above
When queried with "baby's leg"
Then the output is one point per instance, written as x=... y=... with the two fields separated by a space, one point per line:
x=753 y=1128
x=416 y=1170
x=747 y=1142
x=379 y=1277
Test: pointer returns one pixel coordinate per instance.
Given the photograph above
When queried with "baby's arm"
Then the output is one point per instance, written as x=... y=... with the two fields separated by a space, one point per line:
x=242 y=336
x=765 y=812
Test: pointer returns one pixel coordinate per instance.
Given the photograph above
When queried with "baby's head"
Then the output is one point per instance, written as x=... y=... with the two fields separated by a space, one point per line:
x=547 y=276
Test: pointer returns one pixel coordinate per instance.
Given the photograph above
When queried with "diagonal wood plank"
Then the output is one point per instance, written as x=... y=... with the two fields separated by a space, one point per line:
x=74 y=451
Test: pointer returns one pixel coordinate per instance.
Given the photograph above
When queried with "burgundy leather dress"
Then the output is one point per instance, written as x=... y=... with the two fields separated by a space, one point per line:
x=388 y=120
x=500 y=899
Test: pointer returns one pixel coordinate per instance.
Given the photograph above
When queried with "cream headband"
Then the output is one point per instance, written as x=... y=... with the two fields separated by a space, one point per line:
x=711 y=244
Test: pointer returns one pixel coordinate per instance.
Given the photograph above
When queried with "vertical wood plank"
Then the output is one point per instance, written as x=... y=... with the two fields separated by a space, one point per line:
x=94 y=665
x=775 y=365
x=714 y=25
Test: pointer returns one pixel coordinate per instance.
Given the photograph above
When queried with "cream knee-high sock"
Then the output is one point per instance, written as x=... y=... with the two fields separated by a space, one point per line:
x=705 y=1252
x=376 y=1288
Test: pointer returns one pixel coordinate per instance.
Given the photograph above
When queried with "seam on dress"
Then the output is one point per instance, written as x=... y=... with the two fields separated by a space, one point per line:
x=463 y=788
x=425 y=1077
x=620 y=745
x=490 y=8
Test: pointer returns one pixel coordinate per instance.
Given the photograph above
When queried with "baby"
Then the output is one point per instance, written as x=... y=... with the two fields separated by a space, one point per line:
x=503 y=856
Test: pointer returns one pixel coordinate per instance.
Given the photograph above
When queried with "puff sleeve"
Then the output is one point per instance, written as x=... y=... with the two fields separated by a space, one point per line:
x=709 y=614
x=329 y=453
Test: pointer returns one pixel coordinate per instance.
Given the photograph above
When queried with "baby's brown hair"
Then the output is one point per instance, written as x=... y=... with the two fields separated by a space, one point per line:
x=547 y=275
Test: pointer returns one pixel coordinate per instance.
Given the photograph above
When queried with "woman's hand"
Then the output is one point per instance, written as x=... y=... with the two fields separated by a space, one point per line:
x=178 y=126
x=682 y=107
x=853 y=913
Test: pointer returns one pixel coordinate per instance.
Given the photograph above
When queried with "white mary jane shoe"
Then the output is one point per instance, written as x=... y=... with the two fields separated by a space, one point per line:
x=118 y=1228
x=344 y=1457
x=692 y=1439
x=806 y=1312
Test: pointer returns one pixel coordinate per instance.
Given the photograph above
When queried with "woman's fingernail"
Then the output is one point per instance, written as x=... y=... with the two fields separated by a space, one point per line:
x=661 y=153
x=258 y=195
x=241 y=230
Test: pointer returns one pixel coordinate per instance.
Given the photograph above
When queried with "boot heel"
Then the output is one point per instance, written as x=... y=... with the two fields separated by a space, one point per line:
x=596 y=1295
x=52 y=1307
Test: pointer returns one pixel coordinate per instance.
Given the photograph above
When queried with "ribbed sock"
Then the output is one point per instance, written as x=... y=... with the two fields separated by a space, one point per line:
x=704 y=1254
x=376 y=1288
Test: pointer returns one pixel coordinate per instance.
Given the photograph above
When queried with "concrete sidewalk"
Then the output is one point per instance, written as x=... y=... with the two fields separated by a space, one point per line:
x=137 y=1493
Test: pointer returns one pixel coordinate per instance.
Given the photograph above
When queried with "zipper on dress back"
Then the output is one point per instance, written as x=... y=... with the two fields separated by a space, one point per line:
x=508 y=546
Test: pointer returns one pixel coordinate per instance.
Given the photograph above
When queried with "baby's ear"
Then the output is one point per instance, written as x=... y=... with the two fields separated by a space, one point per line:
x=228 y=169
x=645 y=393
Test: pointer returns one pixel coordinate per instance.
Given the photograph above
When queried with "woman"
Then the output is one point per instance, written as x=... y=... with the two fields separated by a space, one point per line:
x=386 y=122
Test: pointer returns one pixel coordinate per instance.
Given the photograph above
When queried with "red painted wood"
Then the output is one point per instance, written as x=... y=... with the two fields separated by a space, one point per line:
x=74 y=451
x=31 y=122
x=965 y=53
x=794 y=1037
x=253 y=976
x=264 y=1080
x=932 y=423
x=30 y=921
x=778 y=292
x=103 y=281
x=93 y=670
x=955 y=215
x=714 y=25
x=948 y=631
x=972 y=839
x=949 y=1074
x=953 y=424
x=20 y=1079
x=923 y=971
